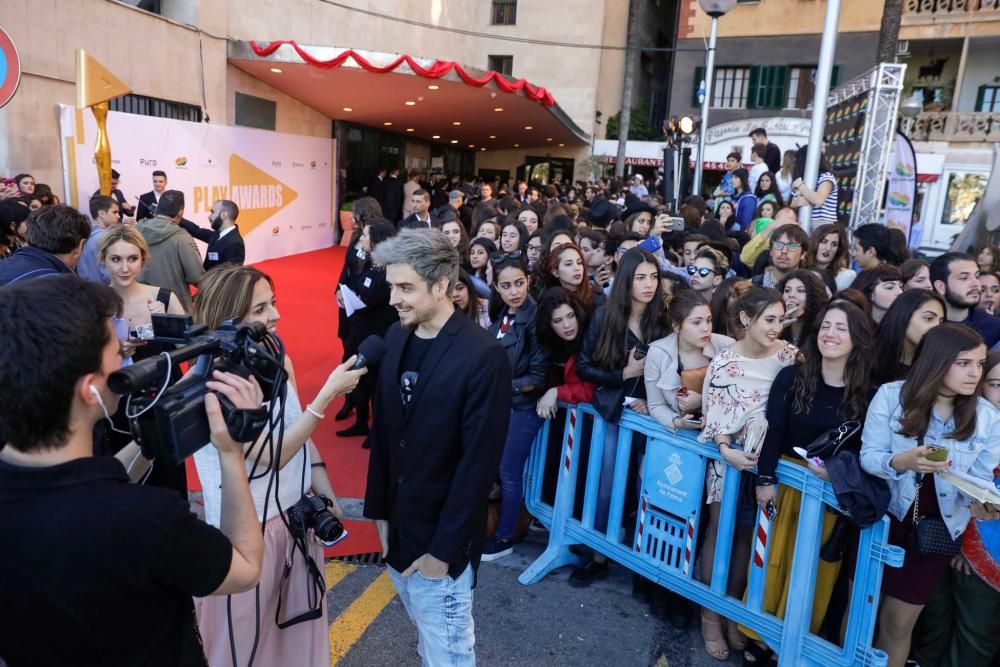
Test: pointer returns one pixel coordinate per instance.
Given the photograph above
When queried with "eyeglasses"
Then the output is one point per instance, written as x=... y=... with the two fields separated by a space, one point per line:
x=507 y=256
x=703 y=271
x=786 y=245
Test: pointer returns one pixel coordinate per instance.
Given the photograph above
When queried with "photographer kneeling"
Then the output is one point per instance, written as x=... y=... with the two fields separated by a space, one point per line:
x=294 y=598
x=107 y=566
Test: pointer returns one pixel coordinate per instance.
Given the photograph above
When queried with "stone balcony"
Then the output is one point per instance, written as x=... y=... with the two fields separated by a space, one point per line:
x=973 y=127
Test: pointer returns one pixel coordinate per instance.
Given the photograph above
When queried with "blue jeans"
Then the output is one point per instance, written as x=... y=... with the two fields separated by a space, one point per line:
x=442 y=611
x=524 y=425
x=607 y=479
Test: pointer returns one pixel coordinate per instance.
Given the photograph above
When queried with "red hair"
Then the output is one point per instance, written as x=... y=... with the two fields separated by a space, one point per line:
x=584 y=293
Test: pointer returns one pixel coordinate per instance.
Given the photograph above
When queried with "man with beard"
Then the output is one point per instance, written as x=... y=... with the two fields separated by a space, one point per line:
x=441 y=412
x=955 y=276
x=225 y=244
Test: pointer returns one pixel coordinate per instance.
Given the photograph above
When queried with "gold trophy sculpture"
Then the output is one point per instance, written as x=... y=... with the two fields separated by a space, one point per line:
x=95 y=85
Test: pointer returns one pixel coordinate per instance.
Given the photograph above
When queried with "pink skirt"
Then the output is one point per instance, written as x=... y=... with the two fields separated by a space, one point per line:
x=306 y=643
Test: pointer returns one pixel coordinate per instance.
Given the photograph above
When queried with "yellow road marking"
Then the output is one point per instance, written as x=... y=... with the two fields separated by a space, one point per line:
x=337 y=570
x=351 y=624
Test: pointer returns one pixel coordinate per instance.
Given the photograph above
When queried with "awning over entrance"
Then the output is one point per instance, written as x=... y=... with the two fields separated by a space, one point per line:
x=438 y=101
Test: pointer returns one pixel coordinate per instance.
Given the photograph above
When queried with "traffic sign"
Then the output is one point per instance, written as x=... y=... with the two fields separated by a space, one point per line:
x=10 y=68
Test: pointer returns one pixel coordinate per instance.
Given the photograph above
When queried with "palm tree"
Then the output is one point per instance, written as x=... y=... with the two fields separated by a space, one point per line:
x=889 y=31
x=631 y=58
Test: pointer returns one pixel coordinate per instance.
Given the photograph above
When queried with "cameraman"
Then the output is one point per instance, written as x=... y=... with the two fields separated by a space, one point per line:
x=107 y=566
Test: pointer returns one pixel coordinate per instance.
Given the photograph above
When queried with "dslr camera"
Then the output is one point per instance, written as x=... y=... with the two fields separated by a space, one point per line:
x=313 y=511
x=168 y=419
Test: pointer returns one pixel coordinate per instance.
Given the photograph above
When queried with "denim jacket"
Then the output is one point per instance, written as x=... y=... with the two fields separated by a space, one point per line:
x=977 y=456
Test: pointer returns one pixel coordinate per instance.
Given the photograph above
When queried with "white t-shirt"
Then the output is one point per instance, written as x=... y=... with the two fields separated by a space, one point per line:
x=755 y=174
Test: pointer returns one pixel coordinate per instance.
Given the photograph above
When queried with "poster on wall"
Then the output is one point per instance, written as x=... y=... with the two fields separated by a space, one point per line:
x=902 y=191
x=282 y=183
x=845 y=124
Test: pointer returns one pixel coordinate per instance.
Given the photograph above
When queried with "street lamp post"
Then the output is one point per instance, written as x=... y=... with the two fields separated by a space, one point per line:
x=715 y=9
x=909 y=109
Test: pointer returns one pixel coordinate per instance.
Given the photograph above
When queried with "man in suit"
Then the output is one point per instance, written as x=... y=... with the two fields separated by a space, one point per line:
x=420 y=204
x=392 y=197
x=225 y=244
x=442 y=405
x=124 y=208
x=150 y=200
x=374 y=187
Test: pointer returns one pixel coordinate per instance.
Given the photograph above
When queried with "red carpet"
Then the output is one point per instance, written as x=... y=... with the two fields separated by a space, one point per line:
x=305 y=287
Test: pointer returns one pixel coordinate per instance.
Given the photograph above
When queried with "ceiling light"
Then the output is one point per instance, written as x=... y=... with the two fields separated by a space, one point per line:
x=493 y=136
x=276 y=70
x=410 y=103
x=436 y=136
x=528 y=127
x=498 y=108
x=562 y=144
x=387 y=123
x=472 y=145
x=548 y=138
x=409 y=129
x=517 y=145
x=456 y=123
x=348 y=109
x=483 y=148
x=433 y=86
x=454 y=141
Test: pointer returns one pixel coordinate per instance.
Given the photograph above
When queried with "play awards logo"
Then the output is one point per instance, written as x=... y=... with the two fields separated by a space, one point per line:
x=898 y=199
x=904 y=170
x=258 y=194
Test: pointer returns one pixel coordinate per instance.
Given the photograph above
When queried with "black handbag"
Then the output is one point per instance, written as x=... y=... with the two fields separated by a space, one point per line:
x=930 y=535
x=828 y=444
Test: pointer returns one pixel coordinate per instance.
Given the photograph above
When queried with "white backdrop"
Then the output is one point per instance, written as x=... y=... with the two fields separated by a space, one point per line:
x=283 y=183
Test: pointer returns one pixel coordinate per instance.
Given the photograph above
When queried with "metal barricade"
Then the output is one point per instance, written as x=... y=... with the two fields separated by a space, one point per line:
x=669 y=509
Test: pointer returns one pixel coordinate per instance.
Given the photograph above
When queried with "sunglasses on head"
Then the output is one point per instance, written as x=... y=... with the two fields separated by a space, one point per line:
x=703 y=271
x=507 y=256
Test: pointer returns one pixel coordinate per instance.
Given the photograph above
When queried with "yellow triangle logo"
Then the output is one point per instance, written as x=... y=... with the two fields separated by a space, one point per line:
x=94 y=83
x=258 y=194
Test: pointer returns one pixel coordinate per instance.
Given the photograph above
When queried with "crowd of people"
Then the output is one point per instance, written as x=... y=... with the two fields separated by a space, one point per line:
x=719 y=319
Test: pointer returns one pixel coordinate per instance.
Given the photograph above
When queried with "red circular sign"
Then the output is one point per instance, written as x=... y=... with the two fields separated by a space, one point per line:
x=10 y=68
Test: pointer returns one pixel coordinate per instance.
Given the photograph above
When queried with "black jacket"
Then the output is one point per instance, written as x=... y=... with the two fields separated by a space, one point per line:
x=375 y=319
x=528 y=361
x=146 y=208
x=413 y=222
x=611 y=386
x=391 y=198
x=432 y=465
x=229 y=249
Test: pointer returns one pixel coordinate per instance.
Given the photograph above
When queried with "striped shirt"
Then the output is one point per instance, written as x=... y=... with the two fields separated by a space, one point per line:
x=828 y=211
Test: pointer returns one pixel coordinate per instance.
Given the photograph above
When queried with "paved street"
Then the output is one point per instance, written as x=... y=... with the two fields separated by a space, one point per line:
x=550 y=623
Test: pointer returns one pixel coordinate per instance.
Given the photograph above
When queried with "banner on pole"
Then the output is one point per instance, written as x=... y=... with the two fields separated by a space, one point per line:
x=902 y=190
x=282 y=183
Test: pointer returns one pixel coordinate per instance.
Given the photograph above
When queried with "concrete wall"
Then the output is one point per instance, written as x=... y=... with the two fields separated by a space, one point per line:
x=293 y=117
x=782 y=17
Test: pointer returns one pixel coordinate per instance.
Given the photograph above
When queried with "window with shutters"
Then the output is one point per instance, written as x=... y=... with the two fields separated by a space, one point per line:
x=504 y=12
x=988 y=99
x=153 y=106
x=502 y=64
x=801 y=87
x=730 y=87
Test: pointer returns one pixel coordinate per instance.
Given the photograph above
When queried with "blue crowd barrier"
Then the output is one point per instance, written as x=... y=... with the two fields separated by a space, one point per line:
x=669 y=509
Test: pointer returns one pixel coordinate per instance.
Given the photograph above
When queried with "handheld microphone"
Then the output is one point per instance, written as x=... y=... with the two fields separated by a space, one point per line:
x=370 y=352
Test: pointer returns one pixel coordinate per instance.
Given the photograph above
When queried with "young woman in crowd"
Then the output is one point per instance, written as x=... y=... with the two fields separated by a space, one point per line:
x=513 y=236
x=989 y=300
x=375 y=318
x=768 y=186
x=824 y=197
x=466 y=300
x=455 y=231
x=988 y=259
x=533 y=249
x=726 y=295
x=566 y=268
x=805 y=296
x=828 y=252
x=244 y=292
x=640 y=220
x=561 y=321
x=724 y=212
x=529 y=218
x=736 y=387
x=744 y=202
x=488 y=229
x=916 y=274
x=784 y=177
x=904 y=325
x=766 y=210
x=613 y=358
x=480 y=251
x=25 y=184
x=829 y=385
x=516 y=331
x=880 y=286
x=937 y=407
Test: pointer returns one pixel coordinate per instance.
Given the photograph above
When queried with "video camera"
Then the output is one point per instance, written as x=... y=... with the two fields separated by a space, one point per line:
x=169 y=421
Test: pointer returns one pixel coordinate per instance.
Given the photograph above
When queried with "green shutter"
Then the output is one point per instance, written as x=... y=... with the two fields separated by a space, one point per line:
x=779 y=86
x=754 y=97
x=980 y=95
x=835 y=77
x=699 y=73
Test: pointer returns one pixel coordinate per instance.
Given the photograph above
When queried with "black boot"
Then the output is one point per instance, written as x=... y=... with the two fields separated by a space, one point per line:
x=345 y=411
x=359 y=428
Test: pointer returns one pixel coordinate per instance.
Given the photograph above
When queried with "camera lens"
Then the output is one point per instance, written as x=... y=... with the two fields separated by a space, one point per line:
x=328 y=528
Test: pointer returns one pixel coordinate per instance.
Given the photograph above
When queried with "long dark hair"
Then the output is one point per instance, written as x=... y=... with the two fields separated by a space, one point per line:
x=869 y=279
x=936 y=353
x=471 y=309
x=500 y=262
x=610 y=353
x=891 y=335
x=522 y=232
x=816 y=301
x=491 y=249
x=857 y=370
x=681 y=305
x=379 y=230
x=549 y=300
x=730 y=289
x=839 y=260
x=773 y=190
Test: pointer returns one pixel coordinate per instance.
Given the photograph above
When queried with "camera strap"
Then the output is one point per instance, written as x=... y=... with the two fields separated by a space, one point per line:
x=317 y=587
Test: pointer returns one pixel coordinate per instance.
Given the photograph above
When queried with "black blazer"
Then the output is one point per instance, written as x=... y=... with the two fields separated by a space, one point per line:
x=146 y=208
x=377 y=316
x=528 y=361
x=229 y=249
x=432 y=465
x=611 y=386
x=413 y=222
x=391 y=198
